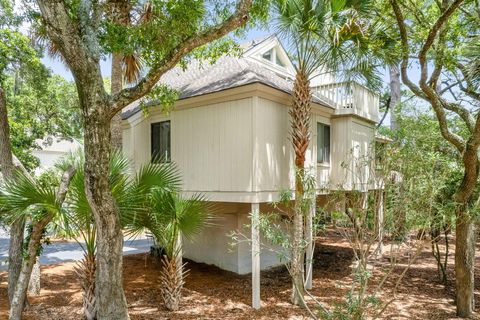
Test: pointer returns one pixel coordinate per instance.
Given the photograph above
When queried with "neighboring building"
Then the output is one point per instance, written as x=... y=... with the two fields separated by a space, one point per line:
x=229 y=136
x=52 y=149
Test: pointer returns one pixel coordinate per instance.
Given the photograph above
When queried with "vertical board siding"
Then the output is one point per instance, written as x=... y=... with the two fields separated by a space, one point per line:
x=274 y=165
x=363 y=136
x=351 y=151
x=244 y=146
x=211 y=145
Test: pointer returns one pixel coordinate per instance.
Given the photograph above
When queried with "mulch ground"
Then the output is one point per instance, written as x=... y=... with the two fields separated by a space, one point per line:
x=211 y=293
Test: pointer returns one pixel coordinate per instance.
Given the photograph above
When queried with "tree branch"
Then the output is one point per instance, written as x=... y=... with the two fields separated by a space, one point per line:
x=66 y=34
x=64 y=183
x=405 y=50
x=129 y=95
x=424 y=91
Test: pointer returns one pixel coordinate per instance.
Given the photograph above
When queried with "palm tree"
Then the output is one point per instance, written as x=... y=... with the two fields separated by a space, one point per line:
x=131 y=195
x=23 y=197
x=170 y=218
x=321 y=34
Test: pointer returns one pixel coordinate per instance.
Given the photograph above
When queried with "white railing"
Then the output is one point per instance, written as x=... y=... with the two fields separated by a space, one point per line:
x=350 y=98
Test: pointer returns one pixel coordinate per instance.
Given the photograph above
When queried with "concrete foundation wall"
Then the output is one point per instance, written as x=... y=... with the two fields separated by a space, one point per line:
x=214 y=244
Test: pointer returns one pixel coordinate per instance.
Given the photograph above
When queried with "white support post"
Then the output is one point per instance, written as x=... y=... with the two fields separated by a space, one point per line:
x=255 y=216
x=309 y=249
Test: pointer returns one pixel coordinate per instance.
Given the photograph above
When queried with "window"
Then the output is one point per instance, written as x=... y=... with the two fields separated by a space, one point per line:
x=267 y=55
x=161 y=148
x=323 y=143
x=279 y=62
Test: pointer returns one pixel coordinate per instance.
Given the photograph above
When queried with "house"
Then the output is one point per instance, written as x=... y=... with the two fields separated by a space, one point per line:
x=51 y=149
x=229 y=135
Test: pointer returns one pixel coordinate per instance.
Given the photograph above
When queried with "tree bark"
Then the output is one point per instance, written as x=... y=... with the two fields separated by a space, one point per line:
x=34 y=283
x=17 y=227
x=110 y=299
x=300 y=115
x=116 y=87
x=465 y=263
x=465 y=239
x=395 y=95
x=120 y=14
x=16 y=306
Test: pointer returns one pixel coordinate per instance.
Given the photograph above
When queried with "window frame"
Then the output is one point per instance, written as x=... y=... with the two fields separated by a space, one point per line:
x=153 y=158
x=326 y=159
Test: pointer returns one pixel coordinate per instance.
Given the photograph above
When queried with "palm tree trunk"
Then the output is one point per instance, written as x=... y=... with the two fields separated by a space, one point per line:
x=300 y=120
x=171 y=278
x=18 y=226
x=85 y=271
x=120 y=11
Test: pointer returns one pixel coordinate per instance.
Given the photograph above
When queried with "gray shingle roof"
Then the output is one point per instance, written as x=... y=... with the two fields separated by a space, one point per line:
x=228 y=72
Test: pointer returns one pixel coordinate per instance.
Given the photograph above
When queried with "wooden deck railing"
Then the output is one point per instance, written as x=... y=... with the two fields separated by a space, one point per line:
x=350 y=98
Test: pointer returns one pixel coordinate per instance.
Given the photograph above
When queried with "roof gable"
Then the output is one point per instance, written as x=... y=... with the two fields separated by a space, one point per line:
x=270 y=53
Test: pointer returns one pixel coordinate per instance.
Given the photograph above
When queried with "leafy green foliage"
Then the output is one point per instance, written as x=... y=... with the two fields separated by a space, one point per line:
x=40 y=105
x=331 y=35
x=172 y=215
x=22 y=193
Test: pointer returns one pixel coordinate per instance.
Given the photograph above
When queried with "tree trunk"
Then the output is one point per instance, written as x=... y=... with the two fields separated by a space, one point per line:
x=18 y=301
x=465 y=263
x=34 y=283
x=18 y=226
x=465 y=234
x=395 y=95
x=110 y=299
x=300 y=115
x=116 y=86
x=85 y=270
x=379 y=219
x=120 y=14
x=15 y=254
x=20 y=294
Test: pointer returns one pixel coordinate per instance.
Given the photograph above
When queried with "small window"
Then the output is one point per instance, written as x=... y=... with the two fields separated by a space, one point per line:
x=280 y=62
x=267 y=55
x=323 y=143
x=161 y=148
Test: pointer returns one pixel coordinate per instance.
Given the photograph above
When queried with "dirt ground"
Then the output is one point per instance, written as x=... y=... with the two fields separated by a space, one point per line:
x=211 y=293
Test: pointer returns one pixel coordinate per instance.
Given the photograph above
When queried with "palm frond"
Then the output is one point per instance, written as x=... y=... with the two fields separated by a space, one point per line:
x=22 y=192
x=174 y=215
x=132 y=66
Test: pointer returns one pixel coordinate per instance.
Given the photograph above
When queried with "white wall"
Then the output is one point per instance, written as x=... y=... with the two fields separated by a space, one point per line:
x=352 y=146
x=212 y=145
x=214 y=245
x=274 y=151
x=243 y=146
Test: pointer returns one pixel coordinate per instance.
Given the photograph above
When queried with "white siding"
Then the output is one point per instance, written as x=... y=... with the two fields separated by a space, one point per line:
x=212 y=145
x=273 y=151
x=243 y=147
x=351 y=147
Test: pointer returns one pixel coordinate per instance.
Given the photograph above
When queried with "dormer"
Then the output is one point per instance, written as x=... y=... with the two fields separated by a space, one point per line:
x=270 y=52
